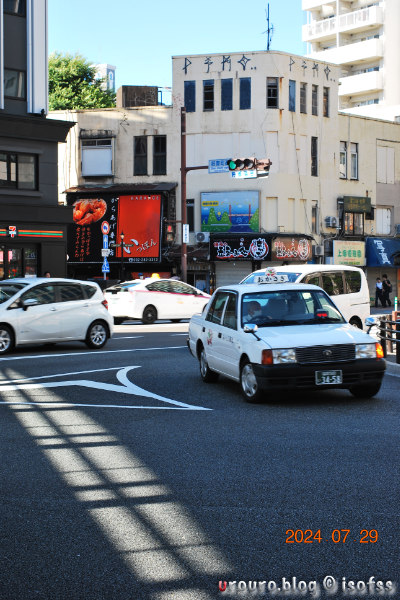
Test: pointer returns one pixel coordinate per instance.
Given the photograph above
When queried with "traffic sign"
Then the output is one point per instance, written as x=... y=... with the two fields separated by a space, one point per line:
x=105 y=241
x=105 y=251
x=218 y=165
x=244 y=174
x=105 y=227
x=106 y=267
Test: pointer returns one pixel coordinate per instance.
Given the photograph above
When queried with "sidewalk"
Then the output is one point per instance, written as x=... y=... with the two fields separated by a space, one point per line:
x=391 y=365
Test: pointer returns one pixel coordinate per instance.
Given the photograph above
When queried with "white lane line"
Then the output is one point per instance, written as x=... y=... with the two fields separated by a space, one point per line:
x=6 y=381
x=92 y=352
x=74 y=405
x=127 y=337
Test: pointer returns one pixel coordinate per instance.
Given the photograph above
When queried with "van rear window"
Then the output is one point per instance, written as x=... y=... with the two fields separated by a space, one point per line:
x=353 y=281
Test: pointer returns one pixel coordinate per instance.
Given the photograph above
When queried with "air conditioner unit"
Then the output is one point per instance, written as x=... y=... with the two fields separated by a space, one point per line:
x=331 y=222
x=397 y=229
x=319 y=251
x=202 y=236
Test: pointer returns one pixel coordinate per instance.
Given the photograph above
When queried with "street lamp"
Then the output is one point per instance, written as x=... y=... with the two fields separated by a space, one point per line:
x=122 y=235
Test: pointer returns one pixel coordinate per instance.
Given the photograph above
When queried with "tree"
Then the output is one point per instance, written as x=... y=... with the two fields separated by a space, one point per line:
x=72 y=84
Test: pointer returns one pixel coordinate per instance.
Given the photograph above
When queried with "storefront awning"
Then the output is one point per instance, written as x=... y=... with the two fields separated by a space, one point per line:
x=382 y=252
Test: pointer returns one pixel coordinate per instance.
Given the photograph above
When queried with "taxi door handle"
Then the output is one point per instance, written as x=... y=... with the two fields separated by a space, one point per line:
x=220 y=334
x=204 y=329
x=53 y=308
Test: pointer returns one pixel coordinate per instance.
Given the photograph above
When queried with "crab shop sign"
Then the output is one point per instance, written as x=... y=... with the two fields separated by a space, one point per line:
x=236 y=247
x=291 y=249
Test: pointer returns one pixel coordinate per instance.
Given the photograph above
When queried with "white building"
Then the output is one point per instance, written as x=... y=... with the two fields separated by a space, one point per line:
x=362 y=36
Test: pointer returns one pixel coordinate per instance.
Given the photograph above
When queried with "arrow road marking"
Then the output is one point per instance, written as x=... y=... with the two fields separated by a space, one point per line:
x=127 y=387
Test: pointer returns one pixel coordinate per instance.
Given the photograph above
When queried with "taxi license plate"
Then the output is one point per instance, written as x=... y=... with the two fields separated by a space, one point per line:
x=328 y=377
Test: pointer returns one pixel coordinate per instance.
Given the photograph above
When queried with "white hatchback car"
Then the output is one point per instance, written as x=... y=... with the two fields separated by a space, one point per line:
x=152 y=299
x=47 y=310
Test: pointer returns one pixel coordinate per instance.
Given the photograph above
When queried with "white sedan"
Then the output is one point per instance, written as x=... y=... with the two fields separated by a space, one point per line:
x=152 y=299
x=272 y=337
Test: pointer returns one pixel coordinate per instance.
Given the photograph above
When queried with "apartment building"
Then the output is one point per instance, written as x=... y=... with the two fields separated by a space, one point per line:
x=33 y=227
x=362 y=36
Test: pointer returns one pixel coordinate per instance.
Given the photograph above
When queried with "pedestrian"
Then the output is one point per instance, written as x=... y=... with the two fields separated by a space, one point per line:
x=387 y=289
x=47 y=274
x=378 y=292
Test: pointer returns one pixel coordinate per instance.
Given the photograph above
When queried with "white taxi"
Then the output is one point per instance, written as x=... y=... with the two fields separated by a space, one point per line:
x=274 y=336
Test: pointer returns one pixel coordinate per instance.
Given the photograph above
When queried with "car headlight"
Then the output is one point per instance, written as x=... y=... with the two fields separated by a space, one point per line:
x=366 y=351
x=286 y=355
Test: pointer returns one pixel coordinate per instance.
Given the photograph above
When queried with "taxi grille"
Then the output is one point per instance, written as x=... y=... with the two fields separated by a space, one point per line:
x=326 y=354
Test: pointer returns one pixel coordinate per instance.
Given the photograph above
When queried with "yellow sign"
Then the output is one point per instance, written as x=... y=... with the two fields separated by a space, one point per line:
x=349 y=253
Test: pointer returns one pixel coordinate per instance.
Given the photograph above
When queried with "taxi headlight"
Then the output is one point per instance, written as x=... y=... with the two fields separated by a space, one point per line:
x=365 y=350
x=286 y=355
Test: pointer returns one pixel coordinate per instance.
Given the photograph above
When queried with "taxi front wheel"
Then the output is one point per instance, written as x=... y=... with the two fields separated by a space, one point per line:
x=207 y=375
x=249 y=383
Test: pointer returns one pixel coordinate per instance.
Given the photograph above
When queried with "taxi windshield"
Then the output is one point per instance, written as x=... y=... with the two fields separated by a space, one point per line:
x=9 y=289
x=252 y=278
x=289 y=307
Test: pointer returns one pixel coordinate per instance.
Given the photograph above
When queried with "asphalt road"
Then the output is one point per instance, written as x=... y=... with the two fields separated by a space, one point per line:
x=124 y=476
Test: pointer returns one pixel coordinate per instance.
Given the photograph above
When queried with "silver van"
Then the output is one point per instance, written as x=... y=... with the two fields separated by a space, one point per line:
x=346 y=285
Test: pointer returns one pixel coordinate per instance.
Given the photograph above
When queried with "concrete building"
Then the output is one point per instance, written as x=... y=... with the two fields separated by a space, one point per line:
x=332 y=187
x=362 y=36
x=33 y=227
x=127 y=159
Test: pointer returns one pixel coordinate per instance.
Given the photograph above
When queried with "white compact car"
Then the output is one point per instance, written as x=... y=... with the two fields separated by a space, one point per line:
x=152 y=299
x=42 y=310
x=283 y=336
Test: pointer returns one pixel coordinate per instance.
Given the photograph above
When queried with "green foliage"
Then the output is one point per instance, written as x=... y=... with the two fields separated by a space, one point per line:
x=72 y=84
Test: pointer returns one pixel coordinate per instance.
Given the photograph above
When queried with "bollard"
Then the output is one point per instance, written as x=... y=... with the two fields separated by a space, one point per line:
x=382 y=328
x=398 y=342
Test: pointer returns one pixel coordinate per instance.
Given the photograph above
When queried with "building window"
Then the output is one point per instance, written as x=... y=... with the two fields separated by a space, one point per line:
x=272 y=92
x=326 y=102
x=353 y=161
x=292 y=95
x=383 y=221
x=226 y=94
x=314 y=156
x=354 y=223
x=18 y=171
x=208 y=94
x=160 y=155
x=314 y=219
x=15 y=7
x=14 y=84
x=343 y=160
x=314 y=100
x=190 y=213
x=96 y=157
x=140 y=155
x=303 y=97
x=245 y=93
x=190 y=96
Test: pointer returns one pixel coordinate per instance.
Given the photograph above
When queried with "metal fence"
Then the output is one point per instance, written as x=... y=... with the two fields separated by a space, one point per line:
x=389 y=336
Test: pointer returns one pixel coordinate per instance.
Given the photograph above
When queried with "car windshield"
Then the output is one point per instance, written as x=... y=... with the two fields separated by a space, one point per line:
x=292 y=277
x=289 y=307
x=9 y=289
x=122 y=287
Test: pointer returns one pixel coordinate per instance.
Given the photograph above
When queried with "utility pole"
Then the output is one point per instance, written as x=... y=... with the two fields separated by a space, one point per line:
x=184 y=171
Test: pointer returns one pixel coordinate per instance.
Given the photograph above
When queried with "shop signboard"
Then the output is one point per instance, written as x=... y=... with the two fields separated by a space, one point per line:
x=291 y=249
x=357 y=204
x=137 y=216
x=347 y=252
x=233 y=212
x=250 y=247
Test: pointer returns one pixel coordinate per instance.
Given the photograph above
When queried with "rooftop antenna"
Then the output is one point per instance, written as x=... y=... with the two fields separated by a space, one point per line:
x=270 y=29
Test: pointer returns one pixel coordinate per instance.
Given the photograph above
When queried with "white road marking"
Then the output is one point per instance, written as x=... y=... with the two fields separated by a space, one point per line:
x=92 y=352
x=127 y=387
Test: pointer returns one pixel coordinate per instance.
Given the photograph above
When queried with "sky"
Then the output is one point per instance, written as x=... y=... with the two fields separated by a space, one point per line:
x=139 y=38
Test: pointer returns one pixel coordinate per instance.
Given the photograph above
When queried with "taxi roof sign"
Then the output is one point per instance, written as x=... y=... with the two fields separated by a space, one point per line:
x=271 y=278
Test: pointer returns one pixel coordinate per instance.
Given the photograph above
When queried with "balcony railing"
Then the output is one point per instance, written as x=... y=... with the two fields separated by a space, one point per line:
x=352 y=21
x=351 y=54
x=363 y=83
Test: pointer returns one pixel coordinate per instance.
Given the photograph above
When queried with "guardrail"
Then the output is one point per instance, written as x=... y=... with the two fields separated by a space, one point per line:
x=389 y=335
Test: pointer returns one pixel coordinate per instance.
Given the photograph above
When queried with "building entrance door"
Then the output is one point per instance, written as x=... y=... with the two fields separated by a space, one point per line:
x=18 y=261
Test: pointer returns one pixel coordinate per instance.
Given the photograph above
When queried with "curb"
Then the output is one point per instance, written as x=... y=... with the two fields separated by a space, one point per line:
x=392 y=368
